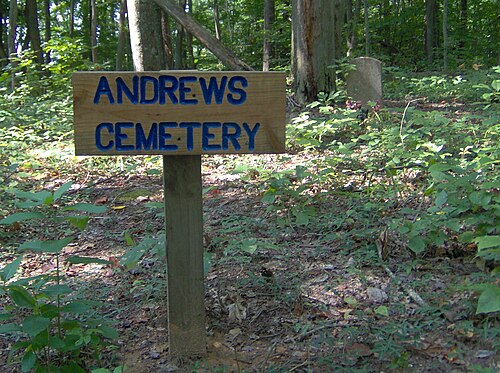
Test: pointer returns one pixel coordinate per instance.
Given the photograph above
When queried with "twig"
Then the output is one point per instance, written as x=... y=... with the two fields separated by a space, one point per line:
x=95 y=183
x=403 y=120
x=301 y=337
x=300 y=365
x=268 y=354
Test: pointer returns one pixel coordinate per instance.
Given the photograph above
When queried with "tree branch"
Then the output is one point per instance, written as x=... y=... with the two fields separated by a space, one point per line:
x=227 y=57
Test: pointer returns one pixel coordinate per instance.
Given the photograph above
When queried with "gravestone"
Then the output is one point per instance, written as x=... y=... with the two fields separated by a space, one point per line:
x=365 y=83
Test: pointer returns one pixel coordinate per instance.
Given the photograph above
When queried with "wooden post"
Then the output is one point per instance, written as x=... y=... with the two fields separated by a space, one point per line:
x=184 y=230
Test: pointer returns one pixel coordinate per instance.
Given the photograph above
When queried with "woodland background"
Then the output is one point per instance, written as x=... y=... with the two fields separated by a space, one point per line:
x=371 y=245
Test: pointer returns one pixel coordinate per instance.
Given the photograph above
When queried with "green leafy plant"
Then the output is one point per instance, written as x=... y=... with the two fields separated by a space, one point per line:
x=56 y=330
x=492 y=95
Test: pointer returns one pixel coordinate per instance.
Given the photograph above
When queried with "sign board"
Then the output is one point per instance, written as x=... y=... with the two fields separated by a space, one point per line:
x=178 y=112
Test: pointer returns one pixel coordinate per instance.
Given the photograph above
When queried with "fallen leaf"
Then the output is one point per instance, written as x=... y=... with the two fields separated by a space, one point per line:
x=114 y=262
x=281 y=349
x=381 y=242
x=351 y=301
x=101 y=200
x=382 y=310
x=48 y=267
x=237 y=312
x=234 y=332
x=359 y=350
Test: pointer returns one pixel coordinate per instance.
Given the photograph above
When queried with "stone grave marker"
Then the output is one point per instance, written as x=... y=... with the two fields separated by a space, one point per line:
x=365 y=83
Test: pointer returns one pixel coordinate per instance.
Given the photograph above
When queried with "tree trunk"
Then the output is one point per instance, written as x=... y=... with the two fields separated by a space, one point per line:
x=269 y=10
x=121 y=35
x=463 y=27
x=93 y=30
x=34 y=31
x=229 y=23
x=167 y=41
x=71 y=17
x=315 y=46
x=352 y=42
x=11 y=40
x=179 y=44
x=430 y=29
x=189 y=41
x=445 y=35
x=48 y=31
x=215 y=46
x=4 y=35
x=217 y=20
x=367 y=30
x=146 y=41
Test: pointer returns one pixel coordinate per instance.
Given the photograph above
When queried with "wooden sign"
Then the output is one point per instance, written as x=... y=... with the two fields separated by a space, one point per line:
x=181 y=114
x=178 y=112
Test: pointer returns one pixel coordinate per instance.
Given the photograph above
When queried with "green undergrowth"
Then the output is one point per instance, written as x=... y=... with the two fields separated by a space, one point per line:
x=428 y=178
x=403 y=186
x=471 y=86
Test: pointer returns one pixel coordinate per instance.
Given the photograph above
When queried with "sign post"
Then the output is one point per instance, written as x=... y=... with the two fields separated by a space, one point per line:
x=180 y=115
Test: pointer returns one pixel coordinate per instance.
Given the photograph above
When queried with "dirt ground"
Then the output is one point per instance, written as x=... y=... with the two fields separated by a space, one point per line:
x=279 y=298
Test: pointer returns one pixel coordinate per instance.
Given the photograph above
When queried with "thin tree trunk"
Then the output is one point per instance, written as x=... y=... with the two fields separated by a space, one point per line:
x=4 y=34
x=352 y=42
x=12 y=33
x=463 y=26
x=367 y=29
x=11 y=40
x=48 y=31
x=215 y=46
x=71 y=17
x=430 y=29
x=445 y=35
x=229 y=23
x=217 y=20
x=93 y=30
x=269 y=17
x=167 y=41
x=121 y=35
x=179 y=44
x=189 y=41
x=34 y=31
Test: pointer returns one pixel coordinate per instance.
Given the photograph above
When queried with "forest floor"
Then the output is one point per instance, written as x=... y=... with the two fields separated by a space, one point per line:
x=280 y=297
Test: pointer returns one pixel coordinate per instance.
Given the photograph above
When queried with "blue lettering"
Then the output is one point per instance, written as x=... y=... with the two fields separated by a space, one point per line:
x=251 y=134
x=207 y=136
x=169 y=90
x=233 y=137
x=238 y=91
x=144 y=84
x=103 y=89
x=147 y=143
x=190 y=126
x=213 y=89
x=121 y=88
x=98 y=142
x=120 y=136
x=183 y=90
x=164 y=136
